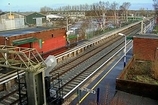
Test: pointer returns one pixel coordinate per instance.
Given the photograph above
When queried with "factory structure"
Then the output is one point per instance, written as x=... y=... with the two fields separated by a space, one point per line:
x=30 y=30
x=44 y=40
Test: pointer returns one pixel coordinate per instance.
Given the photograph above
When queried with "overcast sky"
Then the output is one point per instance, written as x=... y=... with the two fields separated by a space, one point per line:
x=34 y=5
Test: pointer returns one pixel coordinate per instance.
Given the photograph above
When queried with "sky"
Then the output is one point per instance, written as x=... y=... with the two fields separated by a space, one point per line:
x=35 y=5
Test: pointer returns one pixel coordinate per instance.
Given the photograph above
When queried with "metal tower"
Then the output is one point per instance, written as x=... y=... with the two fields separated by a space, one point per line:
x=29 y=60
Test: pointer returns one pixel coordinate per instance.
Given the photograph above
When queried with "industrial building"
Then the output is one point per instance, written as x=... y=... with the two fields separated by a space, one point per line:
x=43 y=39
x=35 y=19
x=10 y=21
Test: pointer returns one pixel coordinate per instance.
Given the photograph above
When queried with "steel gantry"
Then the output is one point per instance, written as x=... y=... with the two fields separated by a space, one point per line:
x=21 y=58
x=29 y=60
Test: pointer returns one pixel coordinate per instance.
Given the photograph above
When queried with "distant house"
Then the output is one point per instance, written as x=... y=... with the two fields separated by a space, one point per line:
x=50 y=17
x=70 y=13
x=35 y=19
x=56 y=21
x=9 y=21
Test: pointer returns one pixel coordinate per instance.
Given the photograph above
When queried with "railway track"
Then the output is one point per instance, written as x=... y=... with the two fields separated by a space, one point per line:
x=76 y=70
x=80 y=74
x=55 y=52
x=79 y=59
x=69 y=67
x=72 y=62
x=12 y=97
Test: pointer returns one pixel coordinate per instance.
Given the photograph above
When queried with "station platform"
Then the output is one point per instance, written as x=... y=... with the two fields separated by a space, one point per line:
x=123 y=98
x=106 y=82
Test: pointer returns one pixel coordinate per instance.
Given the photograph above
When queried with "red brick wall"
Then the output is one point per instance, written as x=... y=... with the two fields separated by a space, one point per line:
x=53 y=39
x=144 y=48
x=2 y=40
x=44 y=35
x=50 y=44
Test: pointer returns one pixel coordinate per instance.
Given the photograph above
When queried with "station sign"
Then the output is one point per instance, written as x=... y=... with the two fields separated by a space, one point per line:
x=88 y=90
x=97 y=92
x=129 y=38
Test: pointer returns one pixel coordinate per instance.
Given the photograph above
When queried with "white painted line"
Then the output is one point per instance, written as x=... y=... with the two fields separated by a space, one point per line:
x=94 y=72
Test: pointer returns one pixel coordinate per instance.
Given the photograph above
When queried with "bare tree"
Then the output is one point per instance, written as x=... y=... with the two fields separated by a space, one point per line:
x=104 y=6
x=156 y=7
x=45 y=9
x=99 y=10
x=124 y=7
x=114 y=8
x=142 y=11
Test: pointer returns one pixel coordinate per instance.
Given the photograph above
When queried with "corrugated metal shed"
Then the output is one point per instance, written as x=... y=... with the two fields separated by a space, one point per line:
x=10 y=21
x=35 y=19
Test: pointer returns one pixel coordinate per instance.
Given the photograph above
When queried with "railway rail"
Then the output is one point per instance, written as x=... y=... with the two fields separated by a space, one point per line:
x=12 y=97
x=83 y=65
x=66 y=66
x=79 y=80
x=69 y=67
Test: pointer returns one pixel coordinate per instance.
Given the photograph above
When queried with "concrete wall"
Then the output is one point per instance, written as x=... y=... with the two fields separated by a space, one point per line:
x=145 y=48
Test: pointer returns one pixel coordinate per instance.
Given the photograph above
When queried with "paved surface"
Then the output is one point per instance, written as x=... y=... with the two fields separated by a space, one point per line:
x=123 y=98
x=107 y=84
x=108 y=91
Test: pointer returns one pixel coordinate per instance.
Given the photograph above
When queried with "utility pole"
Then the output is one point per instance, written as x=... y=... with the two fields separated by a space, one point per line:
x=9 y=9
x=10 y=15
x=142 y=27
x=104 y=19
x=67 y=24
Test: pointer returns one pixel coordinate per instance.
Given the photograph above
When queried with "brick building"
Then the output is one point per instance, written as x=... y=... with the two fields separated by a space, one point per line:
x=43 y=39
x=145 y=47
x=140 y=76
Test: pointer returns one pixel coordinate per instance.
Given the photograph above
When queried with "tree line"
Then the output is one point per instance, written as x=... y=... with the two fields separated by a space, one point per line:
x=156 y=7
x=99 y=8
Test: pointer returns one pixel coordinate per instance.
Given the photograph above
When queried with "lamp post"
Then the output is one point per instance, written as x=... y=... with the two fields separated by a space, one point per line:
x=10 y=16
x=144 y=29
x=124 y=48
x=67 y=24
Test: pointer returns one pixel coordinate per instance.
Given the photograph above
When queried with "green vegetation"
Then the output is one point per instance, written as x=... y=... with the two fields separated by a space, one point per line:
x=135 y=18
x=72 y=37
x=98 y=32
x=155 y=30
x=141 y=72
